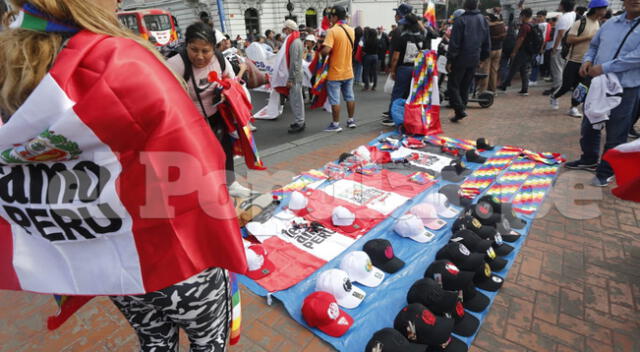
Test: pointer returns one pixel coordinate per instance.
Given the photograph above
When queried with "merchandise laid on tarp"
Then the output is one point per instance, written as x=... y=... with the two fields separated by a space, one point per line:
x=399 y=245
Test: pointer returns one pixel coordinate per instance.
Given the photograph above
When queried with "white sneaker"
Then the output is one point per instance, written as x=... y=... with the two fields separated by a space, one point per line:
x=555 y=105
x=574 y=112
x=252 y=127
x=533 y=83
x=238 y=190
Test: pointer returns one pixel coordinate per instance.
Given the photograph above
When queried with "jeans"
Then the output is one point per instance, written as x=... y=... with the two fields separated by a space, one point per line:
x=383 y=62
x=490 y=66
x=459 y=84
x=402 y=86
x=617 y=131
x=557 y=65
x=521 y=63
x=221 y=131
x=370 y=70
x=570 y=80
x=296 y=102
x=335 y=87
x=357 y=71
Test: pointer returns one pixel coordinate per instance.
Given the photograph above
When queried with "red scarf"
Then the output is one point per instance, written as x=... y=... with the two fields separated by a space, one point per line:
x=293 y=36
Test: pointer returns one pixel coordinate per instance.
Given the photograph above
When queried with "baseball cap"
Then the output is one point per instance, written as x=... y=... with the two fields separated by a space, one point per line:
x=320 y=310
x=473 y=300
x=311 y=38
x=485 y=232
x=258 y=263
x=360 y=269
x=391 y=340
x=452 y=278
x=452 y=192
x=381 y=254
x=410 y=226
x=338 y=283
x=442 y=205
x=455 y=172
x=482 y=143
x=297 y=201
x=461 y=256
x=594 y=4
x=506 y=209
x=429 y=216
x=338 y=11
x=362 y=153
x=418 y=324
x=403 y=10
x=476 y=244
x=472 y=156
x=485 y=279
x=445 y=303
x=504 y=229
x=345 y=219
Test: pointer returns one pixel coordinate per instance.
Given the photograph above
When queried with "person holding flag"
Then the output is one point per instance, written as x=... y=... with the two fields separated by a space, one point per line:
x=124 y=174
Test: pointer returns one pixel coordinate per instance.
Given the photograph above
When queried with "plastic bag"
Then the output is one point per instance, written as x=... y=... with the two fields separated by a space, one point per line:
x=388 y=85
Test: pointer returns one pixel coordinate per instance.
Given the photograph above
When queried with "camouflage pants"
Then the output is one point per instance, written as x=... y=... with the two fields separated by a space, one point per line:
x=200 y=305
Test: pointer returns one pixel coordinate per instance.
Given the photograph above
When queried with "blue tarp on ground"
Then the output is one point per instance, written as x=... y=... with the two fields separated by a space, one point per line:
x=382 y=303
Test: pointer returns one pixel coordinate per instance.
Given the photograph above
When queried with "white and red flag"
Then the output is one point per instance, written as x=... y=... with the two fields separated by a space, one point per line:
x=111 y=182
x=625 y=160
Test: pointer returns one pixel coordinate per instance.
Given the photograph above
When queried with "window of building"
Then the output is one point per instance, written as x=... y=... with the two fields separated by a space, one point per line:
x=252 y=22
x=311 y=17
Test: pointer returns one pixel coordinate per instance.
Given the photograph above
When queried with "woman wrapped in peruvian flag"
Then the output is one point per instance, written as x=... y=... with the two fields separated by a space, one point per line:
x=111 y=181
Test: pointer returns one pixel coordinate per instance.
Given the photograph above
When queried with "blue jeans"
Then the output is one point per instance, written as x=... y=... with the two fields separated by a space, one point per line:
x=402 y=86
x=370 y=70
x=617 y=128
x=335 y=87
x=535 y=69
x=357 y=71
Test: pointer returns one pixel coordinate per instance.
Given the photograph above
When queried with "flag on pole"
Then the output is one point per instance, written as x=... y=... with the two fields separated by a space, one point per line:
x=430 y=14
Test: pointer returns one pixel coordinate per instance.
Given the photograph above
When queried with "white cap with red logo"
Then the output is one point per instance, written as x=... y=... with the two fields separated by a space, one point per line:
x=360 y=269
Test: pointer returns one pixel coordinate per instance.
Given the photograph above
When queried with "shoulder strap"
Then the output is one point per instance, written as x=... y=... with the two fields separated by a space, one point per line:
x=348 y=36
x=583 y=24
x=625 y=38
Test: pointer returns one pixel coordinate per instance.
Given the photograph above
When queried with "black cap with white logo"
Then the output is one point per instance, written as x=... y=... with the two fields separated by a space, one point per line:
x=391 y=340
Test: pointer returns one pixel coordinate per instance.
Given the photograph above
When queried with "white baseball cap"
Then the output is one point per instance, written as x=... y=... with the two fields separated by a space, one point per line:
x=442 y=205
x=297 y=201
x=338 y=283
x=429 y=216
x=362 y=153
x=411 y=226
x=345 y=219
x=360 y=269
x=311 y=38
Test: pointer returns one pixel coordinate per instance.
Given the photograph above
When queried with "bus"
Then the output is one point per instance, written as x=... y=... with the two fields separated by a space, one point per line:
x=154 y=25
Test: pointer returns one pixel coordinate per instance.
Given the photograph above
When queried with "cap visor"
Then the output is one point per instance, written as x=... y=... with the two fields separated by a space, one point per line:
x=339 y=326
x=442 y=332
x=511 y=236
x=353 y=299
x=267 y=268
x=486 y=232
x=497 y=264
x=434 y=224
x=517 y=223
x=356 y=226
x=503 y=249
x=491 y=284
x=475 y=301
x=446 y=211
x=456 y=345
x=374 y=279
x=392 y=266
x=463 y=279
x=423 y=237
x=467 y=326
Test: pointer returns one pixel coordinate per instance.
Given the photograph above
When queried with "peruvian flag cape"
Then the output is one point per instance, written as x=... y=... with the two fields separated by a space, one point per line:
x=111 y=182
x=283 y=60
x=625 y=160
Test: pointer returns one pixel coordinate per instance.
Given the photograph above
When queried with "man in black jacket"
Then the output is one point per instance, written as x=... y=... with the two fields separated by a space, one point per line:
x=469 y=44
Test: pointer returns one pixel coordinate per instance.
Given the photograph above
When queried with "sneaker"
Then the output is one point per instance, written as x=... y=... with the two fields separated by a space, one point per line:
x=548 y=79
x=333 y=127
x=548 y=91
x=252 y=127
x=388 y=122
x=239 y=191
x=574 y=112
x=296 y=128
x=351 y=123
x=599 y=181
x=385 y=114
x=555 y=105
x=533 y=83
x=523 y=94
x=502 y=88
x=633 y=133
x=458 y=117
x=580 y=165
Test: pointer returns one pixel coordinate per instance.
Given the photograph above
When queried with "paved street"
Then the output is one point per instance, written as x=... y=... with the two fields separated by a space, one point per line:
x=574 y=287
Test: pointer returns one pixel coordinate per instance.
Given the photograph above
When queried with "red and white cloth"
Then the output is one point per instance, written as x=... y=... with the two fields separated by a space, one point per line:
x=625 y=160
x=89 y=200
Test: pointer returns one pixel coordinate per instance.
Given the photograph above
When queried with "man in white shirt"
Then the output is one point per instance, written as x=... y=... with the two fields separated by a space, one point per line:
x=564 y=24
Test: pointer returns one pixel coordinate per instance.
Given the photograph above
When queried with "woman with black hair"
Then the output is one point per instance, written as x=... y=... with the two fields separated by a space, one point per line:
x=194 y=64
x=357 y=65
x=370 y=59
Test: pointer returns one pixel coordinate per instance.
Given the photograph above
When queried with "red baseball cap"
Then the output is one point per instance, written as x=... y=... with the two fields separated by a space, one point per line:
x=320 y=310
x=258 y=263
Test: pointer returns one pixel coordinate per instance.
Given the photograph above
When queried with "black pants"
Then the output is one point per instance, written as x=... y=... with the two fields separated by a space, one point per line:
x=459 y=84
x=570 y=80
x=370 y=70
x=520 y=63
x=219 y=128
x=383 y=62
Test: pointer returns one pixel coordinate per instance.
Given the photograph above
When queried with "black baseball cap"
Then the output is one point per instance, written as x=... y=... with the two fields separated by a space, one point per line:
x=445 y=303
x=483 y=144
x=461 y=256
x=453 y=195
x=456 y=345
x=483 y=211
x=452 y=278
x=455 y=172
x=403 y=10
x=474 y=300
x=418 y=324
x=504 y=229
x=472 y=156
x=471 y=240
x=486 y=280
x=506 y=209
x=382 y=257
x=467 y=222
x=391 y=340
x=339 y=11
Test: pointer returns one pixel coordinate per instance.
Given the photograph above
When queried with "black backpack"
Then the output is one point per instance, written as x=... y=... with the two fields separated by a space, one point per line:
x=566 y=47
x=535 y=39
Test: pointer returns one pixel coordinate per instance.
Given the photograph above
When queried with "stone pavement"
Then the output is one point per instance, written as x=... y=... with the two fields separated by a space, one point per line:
x=574 y=287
